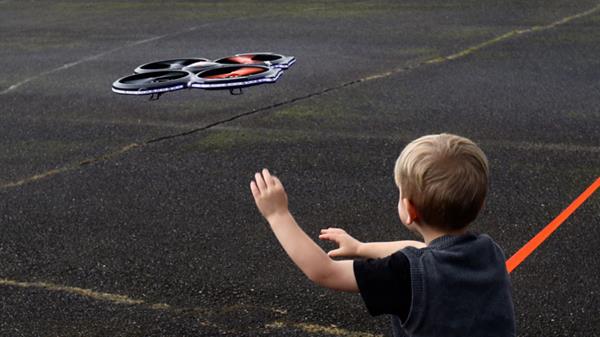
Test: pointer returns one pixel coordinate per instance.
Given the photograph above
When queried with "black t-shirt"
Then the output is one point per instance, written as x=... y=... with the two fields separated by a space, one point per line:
x=385 y=285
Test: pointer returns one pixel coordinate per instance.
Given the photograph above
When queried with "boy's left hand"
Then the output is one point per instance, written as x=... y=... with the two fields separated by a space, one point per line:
x=348 y=246
x=269 y=195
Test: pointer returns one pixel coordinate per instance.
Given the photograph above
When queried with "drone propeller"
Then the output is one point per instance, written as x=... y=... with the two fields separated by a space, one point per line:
x=152 y=77
x=202 y=65
x=175 y=64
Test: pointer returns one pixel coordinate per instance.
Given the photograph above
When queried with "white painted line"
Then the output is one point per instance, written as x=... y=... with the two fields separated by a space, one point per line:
x=95 y=57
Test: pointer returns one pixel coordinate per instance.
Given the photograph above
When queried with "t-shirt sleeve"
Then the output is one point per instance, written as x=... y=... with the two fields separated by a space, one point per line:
x=384 y=284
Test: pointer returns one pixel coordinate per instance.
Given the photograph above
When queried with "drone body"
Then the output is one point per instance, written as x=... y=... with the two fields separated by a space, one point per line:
x=232 y=73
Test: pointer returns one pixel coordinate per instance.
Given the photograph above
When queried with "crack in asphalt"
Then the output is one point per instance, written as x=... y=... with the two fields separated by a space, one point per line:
x=438 y=60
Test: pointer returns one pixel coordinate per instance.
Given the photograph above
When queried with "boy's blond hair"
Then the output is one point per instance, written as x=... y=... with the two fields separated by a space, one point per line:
x=445 y=176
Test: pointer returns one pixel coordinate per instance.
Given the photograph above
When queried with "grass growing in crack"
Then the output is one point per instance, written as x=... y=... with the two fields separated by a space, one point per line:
x=224 y=139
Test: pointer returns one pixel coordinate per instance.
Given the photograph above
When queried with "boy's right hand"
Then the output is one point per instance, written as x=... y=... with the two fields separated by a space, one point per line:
x=348 y=246
x=269 y=195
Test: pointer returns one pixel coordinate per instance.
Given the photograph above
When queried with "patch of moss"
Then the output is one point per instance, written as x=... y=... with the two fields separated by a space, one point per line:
x=312 y=9
x=44 y=149
x=570 y=36
x=174 y=9
x=311 y=113
x=594 y=18
x=469 y=32
x=299 y=112
x=109 y=6
x=224 y=139
x=47 y=41
x=582 y=115
x=415 y=51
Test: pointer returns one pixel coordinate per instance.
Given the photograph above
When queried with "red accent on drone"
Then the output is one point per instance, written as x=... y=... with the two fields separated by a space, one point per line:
x=237 y=73
x=540 y=237
x=246 y=59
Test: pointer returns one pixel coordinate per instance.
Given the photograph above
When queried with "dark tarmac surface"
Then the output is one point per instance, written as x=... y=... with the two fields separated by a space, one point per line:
x=161 y=238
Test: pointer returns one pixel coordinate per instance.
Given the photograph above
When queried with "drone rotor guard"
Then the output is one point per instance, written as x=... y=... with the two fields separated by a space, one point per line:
x=153 y=83
x=234 y=77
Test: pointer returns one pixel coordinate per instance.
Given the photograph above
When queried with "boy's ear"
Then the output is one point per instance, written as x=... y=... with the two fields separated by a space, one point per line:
x=411 y=211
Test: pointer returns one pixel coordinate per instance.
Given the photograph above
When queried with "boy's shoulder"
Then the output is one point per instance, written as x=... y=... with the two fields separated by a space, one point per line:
x=457 y=242
x=455 y=249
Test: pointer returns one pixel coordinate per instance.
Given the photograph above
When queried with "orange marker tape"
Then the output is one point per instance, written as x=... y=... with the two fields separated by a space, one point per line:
x=537 y=240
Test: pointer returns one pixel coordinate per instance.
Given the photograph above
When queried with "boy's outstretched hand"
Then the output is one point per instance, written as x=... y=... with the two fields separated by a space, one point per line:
x=272 y=202
x=269 y=195
x=348 y=246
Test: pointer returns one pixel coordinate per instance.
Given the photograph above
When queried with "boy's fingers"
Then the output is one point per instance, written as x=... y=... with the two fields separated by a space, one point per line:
x=260 y=182
x=268 y=178
x=330 y=237
x=276 y=181
x=333 y=230
x=325 y=237
x=254 y=189
x=334 y=253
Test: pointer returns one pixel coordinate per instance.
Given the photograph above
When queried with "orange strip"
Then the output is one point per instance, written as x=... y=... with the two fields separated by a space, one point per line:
x=240 y=72
x=537 y=240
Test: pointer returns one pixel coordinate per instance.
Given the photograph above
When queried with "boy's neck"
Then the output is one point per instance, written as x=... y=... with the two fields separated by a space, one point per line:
x=429 y=234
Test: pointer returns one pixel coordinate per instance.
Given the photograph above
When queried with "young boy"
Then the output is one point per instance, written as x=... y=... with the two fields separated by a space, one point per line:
x=454 y=283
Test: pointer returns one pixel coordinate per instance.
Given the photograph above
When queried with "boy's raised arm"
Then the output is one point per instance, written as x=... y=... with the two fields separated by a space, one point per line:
x=271 y=200
x=349 y=246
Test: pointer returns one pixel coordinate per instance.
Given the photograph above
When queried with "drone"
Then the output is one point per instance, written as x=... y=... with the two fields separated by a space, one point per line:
x=228 y=73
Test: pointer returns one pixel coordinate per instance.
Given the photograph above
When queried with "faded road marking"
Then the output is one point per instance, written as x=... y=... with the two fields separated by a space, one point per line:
x=53 y=172
x=108 y=297
x=97 y=56
x=72 y=64
x=512 y=34
x=472 y=49
x=311 y=328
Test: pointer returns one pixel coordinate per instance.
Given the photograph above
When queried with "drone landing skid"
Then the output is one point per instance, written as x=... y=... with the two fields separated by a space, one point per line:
x=233 y=91
x=155 y=96
x=236 y=91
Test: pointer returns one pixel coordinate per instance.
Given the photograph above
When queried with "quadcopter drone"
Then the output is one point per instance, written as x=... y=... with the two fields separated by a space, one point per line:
x=232 y=73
